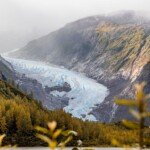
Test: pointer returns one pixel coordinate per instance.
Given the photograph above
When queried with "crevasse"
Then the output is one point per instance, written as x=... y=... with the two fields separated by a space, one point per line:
x=85 y=93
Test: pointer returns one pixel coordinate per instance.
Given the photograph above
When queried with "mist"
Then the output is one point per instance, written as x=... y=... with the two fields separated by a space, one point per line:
x=24 y=20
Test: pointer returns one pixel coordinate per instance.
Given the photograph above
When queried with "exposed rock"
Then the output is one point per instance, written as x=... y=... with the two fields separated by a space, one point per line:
x=114 y=50
x=33 y=87
x=65 y=87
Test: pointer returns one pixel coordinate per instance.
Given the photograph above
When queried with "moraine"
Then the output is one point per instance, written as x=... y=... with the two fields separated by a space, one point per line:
x=84 y=95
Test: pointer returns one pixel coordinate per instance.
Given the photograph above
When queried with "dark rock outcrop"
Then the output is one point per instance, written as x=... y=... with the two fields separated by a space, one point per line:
x=65 y=87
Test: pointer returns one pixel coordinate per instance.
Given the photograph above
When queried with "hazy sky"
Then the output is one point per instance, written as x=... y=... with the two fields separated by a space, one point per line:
x=24 y=20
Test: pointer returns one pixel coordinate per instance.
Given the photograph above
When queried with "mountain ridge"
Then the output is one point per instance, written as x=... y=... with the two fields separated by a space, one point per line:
x=113 y=50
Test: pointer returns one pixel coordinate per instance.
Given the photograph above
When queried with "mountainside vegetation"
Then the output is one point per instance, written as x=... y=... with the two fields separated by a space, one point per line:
x=19 y=114
x=97 y=46
x=113 y=49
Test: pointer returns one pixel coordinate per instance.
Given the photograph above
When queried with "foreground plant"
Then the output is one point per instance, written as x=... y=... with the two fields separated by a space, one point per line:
x=1 y=141
x=139 y=110
x=51 y=135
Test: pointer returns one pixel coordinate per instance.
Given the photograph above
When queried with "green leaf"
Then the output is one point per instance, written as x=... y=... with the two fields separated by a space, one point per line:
x=135 y=114
x=44 y=138
x=63 y=143
x=53 y=144
x=41 y=129
x=57 y=133
x=130 y=124
x=126 y=102
x=68 y=139
x=69 y=132
x=1 y=138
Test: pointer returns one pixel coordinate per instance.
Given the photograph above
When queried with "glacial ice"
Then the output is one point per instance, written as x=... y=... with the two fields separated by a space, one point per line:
x=85 y=93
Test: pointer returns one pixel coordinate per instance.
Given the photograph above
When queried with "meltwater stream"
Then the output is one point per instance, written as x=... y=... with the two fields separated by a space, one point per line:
x=84 y=95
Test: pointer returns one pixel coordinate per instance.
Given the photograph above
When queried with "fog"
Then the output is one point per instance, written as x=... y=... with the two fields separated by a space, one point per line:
x=24 y=20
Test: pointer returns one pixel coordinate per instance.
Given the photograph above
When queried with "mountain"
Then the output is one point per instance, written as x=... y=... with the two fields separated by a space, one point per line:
x=30 y=86
x=20 y=113
x=6 y=69
x=73 y=92
x=113 y=49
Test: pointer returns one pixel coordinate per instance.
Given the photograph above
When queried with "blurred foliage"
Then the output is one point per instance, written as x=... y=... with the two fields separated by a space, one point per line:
x=51 y=135
x=19 y=114
x=139 y=109
x=1 y=142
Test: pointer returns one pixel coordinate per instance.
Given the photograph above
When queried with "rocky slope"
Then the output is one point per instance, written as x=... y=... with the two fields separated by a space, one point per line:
x=32 y=87
x=6 y=70
x=61 y=86
x=114 y=50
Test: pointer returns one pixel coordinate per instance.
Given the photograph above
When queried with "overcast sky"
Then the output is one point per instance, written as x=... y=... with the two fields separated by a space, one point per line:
x=24 y=20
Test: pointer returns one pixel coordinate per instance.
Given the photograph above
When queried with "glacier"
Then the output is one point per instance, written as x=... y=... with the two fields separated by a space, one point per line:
x=85 y=92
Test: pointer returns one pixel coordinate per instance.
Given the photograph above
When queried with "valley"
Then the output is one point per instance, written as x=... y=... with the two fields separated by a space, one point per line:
x=84 y=95
x=87 y=63
x=74 y=76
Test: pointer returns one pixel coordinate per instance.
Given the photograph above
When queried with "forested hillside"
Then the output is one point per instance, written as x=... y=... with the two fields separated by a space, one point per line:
x=113 y=49
x=19 y=114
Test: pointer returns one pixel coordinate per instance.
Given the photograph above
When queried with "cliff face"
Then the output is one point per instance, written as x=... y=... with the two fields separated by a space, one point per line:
x=114 y=50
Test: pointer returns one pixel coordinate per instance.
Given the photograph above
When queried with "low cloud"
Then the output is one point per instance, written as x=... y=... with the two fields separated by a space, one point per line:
x=24 y=20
